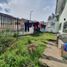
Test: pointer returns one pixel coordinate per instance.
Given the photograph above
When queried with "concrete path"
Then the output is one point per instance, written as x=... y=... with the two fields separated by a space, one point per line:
x=52 y=56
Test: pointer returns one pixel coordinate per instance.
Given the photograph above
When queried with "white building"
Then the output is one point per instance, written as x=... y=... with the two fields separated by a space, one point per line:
x=61 y=13
x=51 y=24
x=60 y=16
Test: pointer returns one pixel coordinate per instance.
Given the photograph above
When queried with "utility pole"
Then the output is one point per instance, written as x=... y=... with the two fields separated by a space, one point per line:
x=31 y=14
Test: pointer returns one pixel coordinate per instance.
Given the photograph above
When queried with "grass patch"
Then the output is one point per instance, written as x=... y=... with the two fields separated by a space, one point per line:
x=19 y=55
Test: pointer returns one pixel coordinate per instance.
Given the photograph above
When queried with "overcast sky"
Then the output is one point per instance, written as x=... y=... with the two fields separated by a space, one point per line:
x=21 y=8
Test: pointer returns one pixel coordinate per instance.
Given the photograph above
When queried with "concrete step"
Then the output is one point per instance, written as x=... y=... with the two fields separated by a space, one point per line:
x=52 y=63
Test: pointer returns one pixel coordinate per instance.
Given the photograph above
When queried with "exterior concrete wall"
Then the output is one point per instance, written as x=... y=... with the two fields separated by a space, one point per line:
x=61 y=10
x=61 y=18
x=63 y=15
x=60 y=6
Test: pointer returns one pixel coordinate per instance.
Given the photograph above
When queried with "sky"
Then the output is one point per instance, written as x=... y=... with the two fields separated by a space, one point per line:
x=40 y=9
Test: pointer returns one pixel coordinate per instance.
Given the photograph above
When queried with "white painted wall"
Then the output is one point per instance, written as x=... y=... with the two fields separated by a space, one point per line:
x=63 y=15
x=61 y=18
x=59 y=6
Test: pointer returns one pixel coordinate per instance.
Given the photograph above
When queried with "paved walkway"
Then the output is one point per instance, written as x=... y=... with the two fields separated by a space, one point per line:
x=52 y=56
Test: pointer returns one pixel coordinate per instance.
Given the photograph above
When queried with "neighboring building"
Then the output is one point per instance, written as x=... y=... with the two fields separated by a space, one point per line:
x=51 y=24
x=48 y=27
x=10 y=23
x=7 y=22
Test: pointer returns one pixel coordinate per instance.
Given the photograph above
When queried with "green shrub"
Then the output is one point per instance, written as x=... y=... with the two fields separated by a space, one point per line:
x=19 y=56
x=15 y=35
x=5 y=42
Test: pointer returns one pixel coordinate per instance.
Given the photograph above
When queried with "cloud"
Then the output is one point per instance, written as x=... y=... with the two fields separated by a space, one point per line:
x=0 y=8
x=4 y=6
x=4 y=1
x=21 y=8
x=7 y=10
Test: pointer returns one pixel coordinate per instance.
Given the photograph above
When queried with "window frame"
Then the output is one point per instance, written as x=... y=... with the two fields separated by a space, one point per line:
x=65 y=23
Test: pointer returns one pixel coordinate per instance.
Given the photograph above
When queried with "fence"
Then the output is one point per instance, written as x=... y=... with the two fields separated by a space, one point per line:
x=9 y=25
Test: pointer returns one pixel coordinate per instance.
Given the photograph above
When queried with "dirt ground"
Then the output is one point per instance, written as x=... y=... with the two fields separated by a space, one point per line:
x=52 y=56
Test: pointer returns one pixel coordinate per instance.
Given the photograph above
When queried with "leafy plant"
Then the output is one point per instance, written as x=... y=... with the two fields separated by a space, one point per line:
x=15 y=35
x=18 y=55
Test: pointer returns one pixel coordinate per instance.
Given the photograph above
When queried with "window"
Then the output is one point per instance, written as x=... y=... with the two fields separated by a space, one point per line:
x=60 y=26
x=52 y=23
x=65 y=27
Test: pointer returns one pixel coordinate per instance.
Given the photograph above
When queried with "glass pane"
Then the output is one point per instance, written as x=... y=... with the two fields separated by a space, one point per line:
x=65 y=27
x=60 y=26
